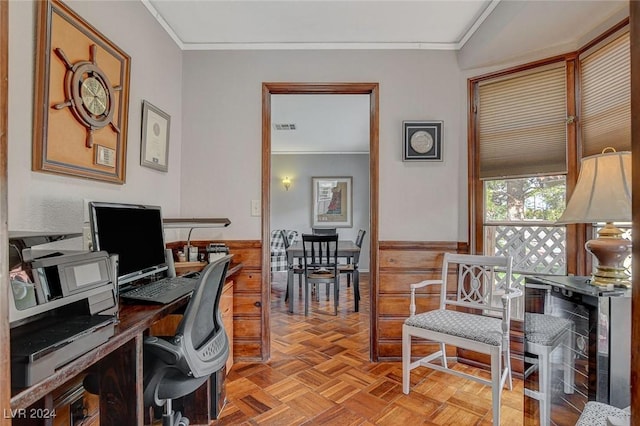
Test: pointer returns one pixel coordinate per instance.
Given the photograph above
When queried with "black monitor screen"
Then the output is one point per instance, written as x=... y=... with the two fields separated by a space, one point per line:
x=133 y=232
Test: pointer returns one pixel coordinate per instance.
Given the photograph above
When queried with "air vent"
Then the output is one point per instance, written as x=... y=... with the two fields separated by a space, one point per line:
x=284 y=126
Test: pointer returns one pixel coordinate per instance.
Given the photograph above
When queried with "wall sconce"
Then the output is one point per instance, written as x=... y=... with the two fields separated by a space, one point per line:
x=286 y=182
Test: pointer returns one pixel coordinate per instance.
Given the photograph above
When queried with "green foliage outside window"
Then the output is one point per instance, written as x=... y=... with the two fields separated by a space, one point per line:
x=540 y=198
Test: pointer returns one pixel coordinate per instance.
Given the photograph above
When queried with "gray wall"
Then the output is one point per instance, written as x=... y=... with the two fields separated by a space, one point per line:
x=46 y=202
x=292 y=209
x=222 y=151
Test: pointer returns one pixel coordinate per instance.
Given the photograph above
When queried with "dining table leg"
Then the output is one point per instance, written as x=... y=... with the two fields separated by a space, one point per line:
x=356 y=289
x=290 y=289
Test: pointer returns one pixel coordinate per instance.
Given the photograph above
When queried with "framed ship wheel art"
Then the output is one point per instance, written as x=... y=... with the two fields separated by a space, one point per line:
x=81 y=98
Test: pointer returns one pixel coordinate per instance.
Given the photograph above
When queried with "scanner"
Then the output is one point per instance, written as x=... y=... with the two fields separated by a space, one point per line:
x=62 y=304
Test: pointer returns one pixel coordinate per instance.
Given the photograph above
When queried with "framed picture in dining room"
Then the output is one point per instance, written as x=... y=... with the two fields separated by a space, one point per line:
x=332 y=202
x=422 y=140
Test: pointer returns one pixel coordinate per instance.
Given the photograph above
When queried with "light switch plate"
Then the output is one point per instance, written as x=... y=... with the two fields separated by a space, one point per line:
x=255 y=208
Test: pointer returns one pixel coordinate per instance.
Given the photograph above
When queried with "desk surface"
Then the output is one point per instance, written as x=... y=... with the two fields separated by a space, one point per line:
x=135 y=319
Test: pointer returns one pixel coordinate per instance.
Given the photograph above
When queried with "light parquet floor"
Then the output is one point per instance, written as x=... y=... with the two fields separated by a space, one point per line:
x=319 y=374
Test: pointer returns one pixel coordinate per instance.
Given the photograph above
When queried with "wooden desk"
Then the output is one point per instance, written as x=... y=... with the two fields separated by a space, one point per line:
x=346 y=248
x=118 y=363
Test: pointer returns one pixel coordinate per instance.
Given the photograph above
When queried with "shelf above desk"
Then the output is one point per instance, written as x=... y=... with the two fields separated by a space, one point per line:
x=197 y=223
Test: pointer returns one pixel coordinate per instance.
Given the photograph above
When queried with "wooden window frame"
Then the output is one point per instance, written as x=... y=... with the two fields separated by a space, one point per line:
x=578 y=262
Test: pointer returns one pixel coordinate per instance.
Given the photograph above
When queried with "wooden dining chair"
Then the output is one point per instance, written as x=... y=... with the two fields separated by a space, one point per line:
x=351 y=268
x=320 y=266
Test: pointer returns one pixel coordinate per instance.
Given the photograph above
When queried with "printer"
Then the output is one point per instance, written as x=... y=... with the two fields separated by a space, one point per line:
x=62 y=304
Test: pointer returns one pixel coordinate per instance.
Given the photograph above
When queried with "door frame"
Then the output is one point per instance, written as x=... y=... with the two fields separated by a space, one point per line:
x=269 y=89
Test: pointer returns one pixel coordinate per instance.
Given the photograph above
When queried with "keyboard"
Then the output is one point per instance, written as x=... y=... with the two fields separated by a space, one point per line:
x=162 y=291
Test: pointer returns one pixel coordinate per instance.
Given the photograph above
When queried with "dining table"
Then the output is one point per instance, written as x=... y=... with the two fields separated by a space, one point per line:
x=347 y=249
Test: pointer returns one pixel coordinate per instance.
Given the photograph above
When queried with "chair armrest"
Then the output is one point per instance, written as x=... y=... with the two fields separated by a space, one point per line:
x=425 y=283
x=160 y=348
x=512 y=293
x=412 y=306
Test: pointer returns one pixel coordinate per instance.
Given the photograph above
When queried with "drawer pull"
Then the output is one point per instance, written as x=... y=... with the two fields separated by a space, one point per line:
x=257 y=304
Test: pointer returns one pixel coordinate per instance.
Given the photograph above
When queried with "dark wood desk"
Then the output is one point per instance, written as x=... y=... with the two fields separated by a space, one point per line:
x=118 y=363
x=346 y=249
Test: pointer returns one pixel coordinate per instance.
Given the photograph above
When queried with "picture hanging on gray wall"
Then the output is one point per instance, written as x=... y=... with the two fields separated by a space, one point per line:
x=332 y=202
x=422 y=140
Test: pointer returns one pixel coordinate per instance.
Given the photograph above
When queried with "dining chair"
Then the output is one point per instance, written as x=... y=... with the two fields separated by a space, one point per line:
x=466 y=318
x=295 y=268
x=601 y=414
x=323 y=231
x=351 y=268
x=543 y=334
x=277 y=248
x=320 y=257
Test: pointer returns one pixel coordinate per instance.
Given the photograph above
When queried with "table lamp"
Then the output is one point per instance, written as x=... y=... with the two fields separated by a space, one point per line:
x=603 y=194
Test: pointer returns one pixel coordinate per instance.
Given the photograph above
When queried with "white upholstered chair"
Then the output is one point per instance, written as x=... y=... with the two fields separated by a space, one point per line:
x=543 y=334
x=599 y=414
x=466 y=318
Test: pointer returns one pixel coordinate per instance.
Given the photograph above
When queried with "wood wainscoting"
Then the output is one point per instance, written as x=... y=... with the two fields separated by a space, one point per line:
x=403 y=263
x=247 y=296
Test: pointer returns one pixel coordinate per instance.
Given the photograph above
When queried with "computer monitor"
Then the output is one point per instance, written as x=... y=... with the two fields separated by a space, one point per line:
x=132 y=231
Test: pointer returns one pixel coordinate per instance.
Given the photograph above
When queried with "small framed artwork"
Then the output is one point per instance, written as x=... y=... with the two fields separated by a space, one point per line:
x=422 y=140
x=154 y=151
x=332 y=202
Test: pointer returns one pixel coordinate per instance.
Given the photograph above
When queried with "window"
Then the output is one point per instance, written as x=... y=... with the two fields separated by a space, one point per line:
x=531 y=125
x=522 y=167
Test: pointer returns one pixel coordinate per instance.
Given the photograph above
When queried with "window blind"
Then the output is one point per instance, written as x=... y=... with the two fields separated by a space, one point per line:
x=606 y=98
x=521 y=124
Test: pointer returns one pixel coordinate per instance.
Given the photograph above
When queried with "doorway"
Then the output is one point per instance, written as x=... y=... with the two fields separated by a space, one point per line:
x=269 y=89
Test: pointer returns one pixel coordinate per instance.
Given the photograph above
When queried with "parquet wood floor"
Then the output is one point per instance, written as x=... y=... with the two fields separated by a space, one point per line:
x=319 y=374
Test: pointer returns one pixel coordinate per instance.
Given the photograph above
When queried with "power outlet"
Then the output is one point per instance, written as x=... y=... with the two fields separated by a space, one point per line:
x=255 y=208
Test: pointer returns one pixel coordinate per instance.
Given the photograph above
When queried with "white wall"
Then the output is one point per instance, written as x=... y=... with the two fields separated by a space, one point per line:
x=46 y=202
x=221 y=157
x=292 y=209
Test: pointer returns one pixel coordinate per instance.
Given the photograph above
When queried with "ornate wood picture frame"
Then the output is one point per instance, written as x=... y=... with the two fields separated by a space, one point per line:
x=332 y=202
x=81 y=98
x=422 y=140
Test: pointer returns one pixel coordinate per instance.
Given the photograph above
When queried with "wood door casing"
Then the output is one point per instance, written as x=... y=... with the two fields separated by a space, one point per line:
x=371 y=89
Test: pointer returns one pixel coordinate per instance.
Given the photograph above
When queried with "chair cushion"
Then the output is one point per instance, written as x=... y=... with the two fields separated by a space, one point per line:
x=597 y=413
x=544 y=329
x=478 y=328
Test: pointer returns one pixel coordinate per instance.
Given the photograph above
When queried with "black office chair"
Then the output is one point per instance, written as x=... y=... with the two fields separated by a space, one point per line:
x=178 y=365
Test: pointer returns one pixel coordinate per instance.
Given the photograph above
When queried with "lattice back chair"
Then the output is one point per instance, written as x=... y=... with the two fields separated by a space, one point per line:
x=351 y=268
x=465 y=319
x=321 y=266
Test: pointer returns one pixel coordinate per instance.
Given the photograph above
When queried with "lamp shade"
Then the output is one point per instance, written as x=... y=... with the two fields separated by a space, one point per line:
x=603 y=190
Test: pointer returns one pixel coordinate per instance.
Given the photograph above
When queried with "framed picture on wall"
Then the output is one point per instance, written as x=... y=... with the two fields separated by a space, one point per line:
x=422 y=140
x=332 y=202
x=154 y=149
